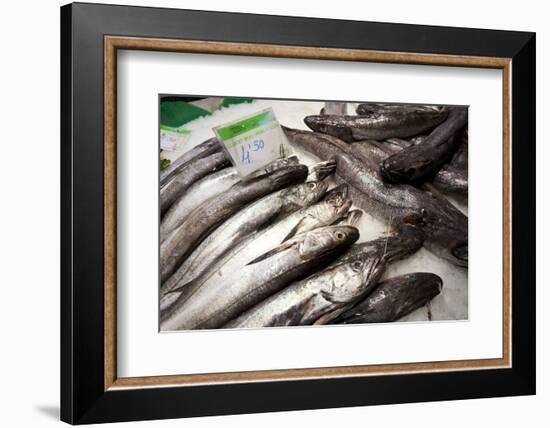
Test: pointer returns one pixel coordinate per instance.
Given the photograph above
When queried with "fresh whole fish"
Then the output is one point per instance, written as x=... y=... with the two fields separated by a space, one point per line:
x=379 y=125
x=204 y=189
x=449 y=179
x=216 y=184
x=324 y=295
x=223 y=298
x=394 y=298
x=446 y=228
x=314 y=300
x=422 y=161
x=202 y=150
x=193 y=171
x=364 y=109
x=183 y=239
x=334 y=206
x=229 y=234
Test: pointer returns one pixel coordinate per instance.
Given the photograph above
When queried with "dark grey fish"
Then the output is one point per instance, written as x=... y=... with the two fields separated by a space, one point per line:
x=202 y=150
x=377 y=125
x=394 y=298
x=372 y=108
x=191 y=173
x=446 y=228
x=450 y=179
x=225 y=297
x=422 y=161
x=183 y=239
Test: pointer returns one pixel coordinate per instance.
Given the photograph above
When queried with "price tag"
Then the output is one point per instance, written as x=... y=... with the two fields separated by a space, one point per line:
x=253 y=141
x=172 y=139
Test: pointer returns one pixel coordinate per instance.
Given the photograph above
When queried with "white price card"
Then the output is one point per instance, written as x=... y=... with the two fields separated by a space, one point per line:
x=172 y=139
x=253 y=141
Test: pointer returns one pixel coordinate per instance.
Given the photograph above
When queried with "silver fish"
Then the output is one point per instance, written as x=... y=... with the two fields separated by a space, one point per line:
x=192 y=172
x=334 y=206
x=216 y=184
x=377 y=125
x=394 y=298
x=204 y=189
x=314 y=300
x=228 y=235
x=202 y=150
x=223 y=298
x=210 y=214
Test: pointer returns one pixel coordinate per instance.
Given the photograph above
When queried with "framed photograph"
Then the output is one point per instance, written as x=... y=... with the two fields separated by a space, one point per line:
x=314 y=214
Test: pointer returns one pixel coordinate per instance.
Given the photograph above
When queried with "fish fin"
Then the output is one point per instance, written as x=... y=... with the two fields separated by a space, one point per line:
x=293 y=231
x=276 y=250
x=182 y=287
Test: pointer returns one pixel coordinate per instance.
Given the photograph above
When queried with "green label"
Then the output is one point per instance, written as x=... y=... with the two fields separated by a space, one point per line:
x=240 y=127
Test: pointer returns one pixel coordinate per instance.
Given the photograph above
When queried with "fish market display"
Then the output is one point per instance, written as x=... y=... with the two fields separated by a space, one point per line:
x=446 y=227
x=334 y=206
x=363 y=223
x=217 y=302
x=323 y=296
x=247 y=221
x=215 y=210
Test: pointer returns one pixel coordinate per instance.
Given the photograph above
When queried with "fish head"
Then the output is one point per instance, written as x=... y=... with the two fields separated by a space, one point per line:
x=405 y=241
x=326 y=240
x=306 y=193
x=337 y=201
x=329 y=124
x=421 y=287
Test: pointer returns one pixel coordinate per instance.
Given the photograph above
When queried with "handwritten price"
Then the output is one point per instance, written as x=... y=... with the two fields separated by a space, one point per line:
x=256 y=146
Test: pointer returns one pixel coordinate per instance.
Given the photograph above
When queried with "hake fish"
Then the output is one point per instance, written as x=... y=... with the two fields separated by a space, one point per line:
x=219 y=182
x=184 y=239
x=423 y=160
x=192 y=172
x=394 y=298
x=247 y=221
x=313 y=300
x=204 y=189
x=202 y=150
x=446 y=228
x=334 y=206
x=321 y=297
x=377 y=125
x=225 y=297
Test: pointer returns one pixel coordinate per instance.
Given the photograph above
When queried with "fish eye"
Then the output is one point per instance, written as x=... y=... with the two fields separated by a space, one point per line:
x=340 y=236
x=357 y=265
x=311 y=185
x=323 y=128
